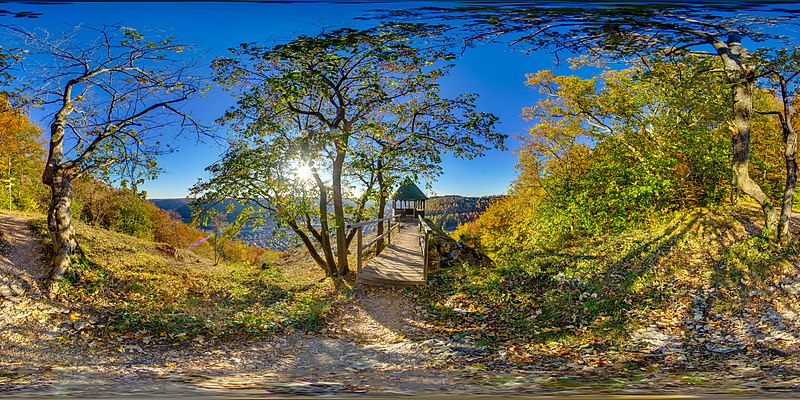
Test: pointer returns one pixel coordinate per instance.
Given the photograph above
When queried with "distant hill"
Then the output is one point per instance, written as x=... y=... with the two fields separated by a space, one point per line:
x=180 y=206
x=447 y=212
x=267 y=236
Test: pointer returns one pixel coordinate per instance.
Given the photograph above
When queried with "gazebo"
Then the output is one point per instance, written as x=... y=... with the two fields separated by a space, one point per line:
x=409 y=201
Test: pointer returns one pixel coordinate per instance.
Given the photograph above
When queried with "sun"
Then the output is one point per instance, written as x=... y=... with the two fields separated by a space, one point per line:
x=304 y=172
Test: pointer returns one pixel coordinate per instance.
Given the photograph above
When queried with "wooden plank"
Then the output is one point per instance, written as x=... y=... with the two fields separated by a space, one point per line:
x=400 y=263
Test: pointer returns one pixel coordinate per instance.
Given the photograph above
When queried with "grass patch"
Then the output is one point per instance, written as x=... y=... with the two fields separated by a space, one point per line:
x=596 y=291
x=138 y=288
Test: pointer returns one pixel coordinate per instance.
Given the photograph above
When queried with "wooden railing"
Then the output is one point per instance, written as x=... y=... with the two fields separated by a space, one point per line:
x=359 y=227
x=424 y=244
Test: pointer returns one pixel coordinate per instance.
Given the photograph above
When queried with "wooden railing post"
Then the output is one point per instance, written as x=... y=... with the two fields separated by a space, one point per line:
x=358 y=246
x=425 y=257
x=424 y=238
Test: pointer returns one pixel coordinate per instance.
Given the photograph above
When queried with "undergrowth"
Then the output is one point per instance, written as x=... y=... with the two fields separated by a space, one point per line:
x=598 y=290
x=144 y=288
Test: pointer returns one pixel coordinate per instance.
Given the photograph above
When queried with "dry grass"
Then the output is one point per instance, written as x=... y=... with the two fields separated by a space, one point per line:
x=698 y=281
x=139 y=286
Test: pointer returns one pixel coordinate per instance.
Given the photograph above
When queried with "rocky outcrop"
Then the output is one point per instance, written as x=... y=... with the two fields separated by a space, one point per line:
x=446 y=252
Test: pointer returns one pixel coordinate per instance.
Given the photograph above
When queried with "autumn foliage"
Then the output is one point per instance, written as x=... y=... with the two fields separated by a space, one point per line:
x=96 y=203
x=21 y=161
x=612 y=152
x=123 y=210
x=620 y=213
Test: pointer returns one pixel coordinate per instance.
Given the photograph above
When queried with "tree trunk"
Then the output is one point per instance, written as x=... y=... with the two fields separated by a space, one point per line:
x=359 y=213
x=324 y=238
x=790 y=157
x=59 y=223
x=9 y=182
x=381 y=206
x=742 y=119
x=338 y=211
x=216 y=249
x=310 y=247
x=790 y=139
x=59 y=220
x=742 y=79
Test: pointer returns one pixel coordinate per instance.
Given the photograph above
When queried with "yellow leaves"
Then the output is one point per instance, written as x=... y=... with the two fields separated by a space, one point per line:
x=74 y=316
x=539 y=78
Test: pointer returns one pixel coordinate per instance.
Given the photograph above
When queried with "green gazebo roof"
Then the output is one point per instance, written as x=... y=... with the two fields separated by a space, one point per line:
x=409 y=191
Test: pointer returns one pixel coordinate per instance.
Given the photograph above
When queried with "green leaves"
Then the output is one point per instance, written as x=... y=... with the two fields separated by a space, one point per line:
x=358 y=106
x=610 y=150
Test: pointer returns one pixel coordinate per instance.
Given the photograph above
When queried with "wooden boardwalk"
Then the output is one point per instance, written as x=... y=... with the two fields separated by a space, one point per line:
x=400 y=263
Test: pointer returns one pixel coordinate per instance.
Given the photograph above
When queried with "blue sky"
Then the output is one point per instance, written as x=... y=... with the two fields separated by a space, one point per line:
x=494 y=71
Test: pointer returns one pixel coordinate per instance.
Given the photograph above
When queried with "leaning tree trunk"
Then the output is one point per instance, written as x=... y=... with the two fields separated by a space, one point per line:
x=790 y=157
x=59 y=223
x=790 y=139
x=338 y=212
x=742 y=79
x=742 y=119
x=310 y=247
x=324 y=238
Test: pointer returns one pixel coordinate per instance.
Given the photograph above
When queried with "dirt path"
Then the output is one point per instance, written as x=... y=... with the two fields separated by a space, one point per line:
x=378 y=341
x=21 y=265
x=380 y=349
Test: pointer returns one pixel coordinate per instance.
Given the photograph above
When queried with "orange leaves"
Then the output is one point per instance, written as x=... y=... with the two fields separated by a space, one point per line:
x=21 y=160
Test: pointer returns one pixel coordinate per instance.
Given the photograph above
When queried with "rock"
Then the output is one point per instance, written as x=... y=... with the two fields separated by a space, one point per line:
x=349 y=356
x=470 y=351
x=16 y=288
x=50 y=335
x=752 y=384
x=361 y=366
x=654 y=340
x=80 y=324
x=721 y=348
x=6 y=292
x=793 y=288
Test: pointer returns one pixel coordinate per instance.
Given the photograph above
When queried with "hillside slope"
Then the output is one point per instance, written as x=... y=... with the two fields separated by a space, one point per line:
x=697 y=303
x=142 y=317
x=696 y=290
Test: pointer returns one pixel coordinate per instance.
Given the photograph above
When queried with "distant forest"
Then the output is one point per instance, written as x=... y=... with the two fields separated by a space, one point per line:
x=181 y=207
x=448 y=212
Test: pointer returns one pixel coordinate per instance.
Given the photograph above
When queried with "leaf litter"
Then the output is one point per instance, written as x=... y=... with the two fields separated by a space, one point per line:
x=384 y=340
